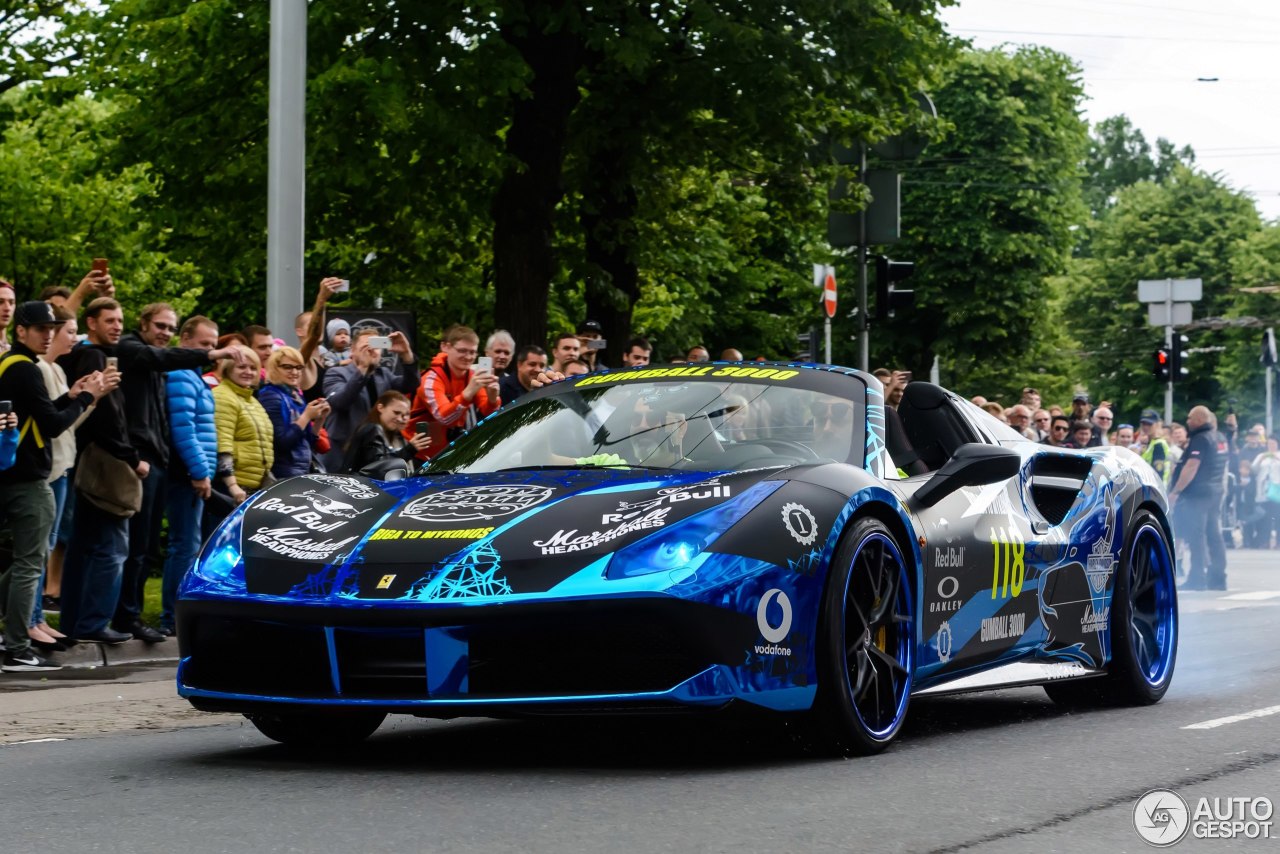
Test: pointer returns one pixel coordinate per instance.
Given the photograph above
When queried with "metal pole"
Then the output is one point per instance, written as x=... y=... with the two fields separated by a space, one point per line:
x=864 y=318
x=286 y=162
x=826 y=329
x=935 y=374
x=1168 y=344
x=1269 y=370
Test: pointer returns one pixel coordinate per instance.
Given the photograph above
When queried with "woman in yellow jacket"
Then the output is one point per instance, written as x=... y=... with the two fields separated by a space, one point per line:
x=245 y=446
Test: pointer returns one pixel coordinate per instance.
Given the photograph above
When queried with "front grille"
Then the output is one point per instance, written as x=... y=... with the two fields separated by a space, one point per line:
x=258 y=657
x=541 y=652
x=381 y=663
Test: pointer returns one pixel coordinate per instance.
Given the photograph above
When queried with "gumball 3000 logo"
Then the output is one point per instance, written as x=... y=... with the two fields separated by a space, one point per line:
x=475 y=502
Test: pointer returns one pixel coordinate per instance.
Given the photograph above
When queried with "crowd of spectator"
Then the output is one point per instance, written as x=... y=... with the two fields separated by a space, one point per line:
x=109 y=436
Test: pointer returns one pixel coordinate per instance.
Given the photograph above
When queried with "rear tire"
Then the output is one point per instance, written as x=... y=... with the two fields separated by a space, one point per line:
x=316 y=729
x=866 y=636
x=1144 y=626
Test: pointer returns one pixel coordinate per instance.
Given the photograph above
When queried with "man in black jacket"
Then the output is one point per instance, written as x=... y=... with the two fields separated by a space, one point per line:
x=25 y=498
x=1196 y=495
x=145 y=356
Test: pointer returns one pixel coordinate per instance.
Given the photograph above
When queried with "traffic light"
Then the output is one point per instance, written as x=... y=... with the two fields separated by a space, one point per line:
x=1160 y=365
x=890 y=298
x=1177 y=360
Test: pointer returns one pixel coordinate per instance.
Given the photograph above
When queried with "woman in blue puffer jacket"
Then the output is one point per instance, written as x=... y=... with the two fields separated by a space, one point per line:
x=296 y=423
x=193 y=466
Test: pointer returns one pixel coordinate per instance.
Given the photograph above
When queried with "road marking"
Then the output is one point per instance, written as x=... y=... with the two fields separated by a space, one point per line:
x=1235 y=719
x=34 y=741
x=1253 y=596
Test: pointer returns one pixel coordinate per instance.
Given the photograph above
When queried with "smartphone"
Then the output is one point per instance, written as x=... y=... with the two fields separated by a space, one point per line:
x=6 y=406
x=484 y=365
x=422 y=427
x=100 y=265
x=113 y=364
x=597 y=344
x=380 y=342
x=344 y=286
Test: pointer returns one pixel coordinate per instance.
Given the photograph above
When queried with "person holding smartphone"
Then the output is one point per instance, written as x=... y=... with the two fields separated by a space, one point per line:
x=352 y=390
x=381 y=436
x=452 y=396
x=26 y=501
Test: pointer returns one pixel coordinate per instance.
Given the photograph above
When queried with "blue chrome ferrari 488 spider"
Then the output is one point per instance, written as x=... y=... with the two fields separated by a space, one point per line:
x=684 y=538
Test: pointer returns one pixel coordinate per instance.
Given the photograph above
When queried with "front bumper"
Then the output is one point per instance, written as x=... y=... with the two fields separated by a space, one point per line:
x=649 y=653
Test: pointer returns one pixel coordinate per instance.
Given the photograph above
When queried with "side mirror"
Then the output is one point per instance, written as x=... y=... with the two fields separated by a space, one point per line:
x=391 y=468
x=973 y=464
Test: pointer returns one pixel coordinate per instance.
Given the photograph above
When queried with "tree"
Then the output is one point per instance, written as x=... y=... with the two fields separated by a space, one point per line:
x=1119 y=156
x=29 y=48
x=63 y=206
x=1188 y=226
x=988 y=216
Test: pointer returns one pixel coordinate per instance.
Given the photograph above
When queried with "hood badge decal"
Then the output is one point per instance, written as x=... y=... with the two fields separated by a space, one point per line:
x=800 y=523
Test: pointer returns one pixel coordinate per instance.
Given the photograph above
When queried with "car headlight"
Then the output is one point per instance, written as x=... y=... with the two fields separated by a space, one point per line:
x=683 y=546
x=220 y=566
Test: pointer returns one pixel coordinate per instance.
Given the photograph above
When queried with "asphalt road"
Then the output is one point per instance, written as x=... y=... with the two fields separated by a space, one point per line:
x=1007 y=771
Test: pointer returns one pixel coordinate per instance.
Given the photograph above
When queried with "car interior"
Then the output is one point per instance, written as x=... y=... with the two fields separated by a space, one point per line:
x=926 y=429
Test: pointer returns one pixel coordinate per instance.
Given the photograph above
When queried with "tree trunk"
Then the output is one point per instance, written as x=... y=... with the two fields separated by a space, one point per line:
x=609 y=225
x=531 y=187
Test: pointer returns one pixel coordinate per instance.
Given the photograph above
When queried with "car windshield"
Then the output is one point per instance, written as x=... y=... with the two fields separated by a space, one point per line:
x=697 y=425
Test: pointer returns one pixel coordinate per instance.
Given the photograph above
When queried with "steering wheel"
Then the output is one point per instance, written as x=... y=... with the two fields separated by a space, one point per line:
x=787 y=446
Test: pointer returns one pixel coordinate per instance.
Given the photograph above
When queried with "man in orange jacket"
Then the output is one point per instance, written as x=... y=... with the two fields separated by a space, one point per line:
x=452 y=397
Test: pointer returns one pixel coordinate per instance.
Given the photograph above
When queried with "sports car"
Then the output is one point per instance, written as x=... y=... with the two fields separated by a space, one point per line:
x=767 y=537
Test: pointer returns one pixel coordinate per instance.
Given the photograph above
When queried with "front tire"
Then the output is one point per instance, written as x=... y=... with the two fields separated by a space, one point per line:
x=1144 y=626
x=317 y=730
x=866 y=652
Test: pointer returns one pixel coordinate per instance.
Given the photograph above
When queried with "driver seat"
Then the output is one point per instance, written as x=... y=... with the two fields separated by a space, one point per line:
x=931 y=425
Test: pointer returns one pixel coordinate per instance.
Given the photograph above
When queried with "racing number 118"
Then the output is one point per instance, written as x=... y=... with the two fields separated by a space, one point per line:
x=1008 y=566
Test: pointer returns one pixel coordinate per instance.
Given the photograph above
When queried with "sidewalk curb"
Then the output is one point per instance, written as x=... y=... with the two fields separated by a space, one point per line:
x=88 y=655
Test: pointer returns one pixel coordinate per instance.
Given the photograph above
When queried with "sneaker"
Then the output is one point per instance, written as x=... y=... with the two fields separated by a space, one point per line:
x=27 y=662
x=51 y=605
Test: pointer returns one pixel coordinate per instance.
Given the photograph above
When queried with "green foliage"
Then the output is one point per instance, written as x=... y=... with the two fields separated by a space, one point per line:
x=64 y=205
x=1185 y=227
x=1119 y=156
x=988 y=217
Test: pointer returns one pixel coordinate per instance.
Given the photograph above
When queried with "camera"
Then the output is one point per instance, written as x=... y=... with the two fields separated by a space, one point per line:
x=379 y=342
x=597 y=344
x=484 y=365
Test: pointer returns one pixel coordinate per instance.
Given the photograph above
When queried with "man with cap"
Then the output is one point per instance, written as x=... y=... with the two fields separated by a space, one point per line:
x=1156 y=450
x=8 y=298
x=1082 y=411
x=590 y=336
x=25 y=497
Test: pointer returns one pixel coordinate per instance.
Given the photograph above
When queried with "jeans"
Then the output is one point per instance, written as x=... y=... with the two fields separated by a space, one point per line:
x=144 y=529
x=1199 y=521
x=92 y=568
x=28 y=505
x=185 y=509
x=59 y=488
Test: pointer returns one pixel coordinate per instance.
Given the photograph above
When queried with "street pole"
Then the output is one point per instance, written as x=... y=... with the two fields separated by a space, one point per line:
x=826 y=330
x=864 y=318
x=286 y=162
x=1168 y=343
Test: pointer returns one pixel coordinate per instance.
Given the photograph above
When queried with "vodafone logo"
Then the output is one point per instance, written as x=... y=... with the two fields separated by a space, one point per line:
x=768 y=631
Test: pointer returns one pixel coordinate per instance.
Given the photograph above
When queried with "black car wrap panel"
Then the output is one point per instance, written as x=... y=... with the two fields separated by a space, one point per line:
x=458 y=536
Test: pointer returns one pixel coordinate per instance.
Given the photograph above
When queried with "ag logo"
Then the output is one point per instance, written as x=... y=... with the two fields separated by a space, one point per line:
x=1161 y=817
x=767 y=629
x=944 y=642
x=800 y=523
